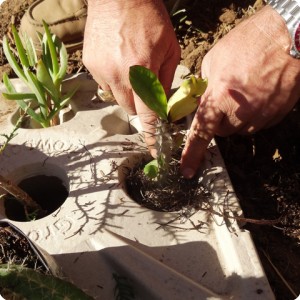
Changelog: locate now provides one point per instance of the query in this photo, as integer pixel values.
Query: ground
(264, 167)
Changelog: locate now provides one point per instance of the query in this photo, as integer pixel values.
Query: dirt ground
(264, 167)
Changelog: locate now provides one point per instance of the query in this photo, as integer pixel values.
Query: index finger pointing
(204, 126)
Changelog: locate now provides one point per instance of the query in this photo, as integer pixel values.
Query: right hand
(253, 83)
(120, 34)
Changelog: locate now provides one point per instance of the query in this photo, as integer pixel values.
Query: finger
(124, 97)
(167, 70)
(101, 82)
(148, 121)
(206, 122)
(147, 117)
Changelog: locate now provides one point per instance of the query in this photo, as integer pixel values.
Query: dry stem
(28, 203)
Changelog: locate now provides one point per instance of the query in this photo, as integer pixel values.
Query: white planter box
(99, 231)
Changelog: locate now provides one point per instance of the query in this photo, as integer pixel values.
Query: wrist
(289, 11)
(274, 26)
(107, 12)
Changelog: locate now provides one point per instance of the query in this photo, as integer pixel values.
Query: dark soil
(170, 193)
(264, 167)
(48, 192)
(16, 249)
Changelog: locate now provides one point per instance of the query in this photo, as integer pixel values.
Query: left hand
(119, 34)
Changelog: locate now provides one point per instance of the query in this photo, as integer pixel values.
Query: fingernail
(188, 173)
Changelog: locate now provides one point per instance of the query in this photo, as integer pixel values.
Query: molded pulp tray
(101, 237)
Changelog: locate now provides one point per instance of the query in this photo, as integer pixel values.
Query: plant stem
(54, 121)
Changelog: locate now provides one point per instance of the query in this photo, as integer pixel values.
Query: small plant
(43, 75)
(183, 102)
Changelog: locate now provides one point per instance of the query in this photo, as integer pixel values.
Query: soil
(16, 249)
(264, 167)
(48, 192)
(172, 192)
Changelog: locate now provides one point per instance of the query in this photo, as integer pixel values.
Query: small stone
(228, 17)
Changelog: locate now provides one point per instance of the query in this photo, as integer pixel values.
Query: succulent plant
(182, 103)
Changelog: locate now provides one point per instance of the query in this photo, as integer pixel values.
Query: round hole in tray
(171, 194)
(47, 185)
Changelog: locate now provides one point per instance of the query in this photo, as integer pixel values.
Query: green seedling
(42, 74)
(182, 103)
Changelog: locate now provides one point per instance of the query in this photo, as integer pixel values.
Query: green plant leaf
(52, 49)
(63, 58)
(64, 101)
(46, 56)
(185, 100)
(147, 86)
(24, 105)
(30, 50)
(12, 60)
(38, 118)
(8, 84)
(20, 48)
(151, 169)
(45, 79)
(19, 96)
(38, 90)
(66, 98)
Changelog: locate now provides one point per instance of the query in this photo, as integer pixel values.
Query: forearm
(134, 12)
(117, 5)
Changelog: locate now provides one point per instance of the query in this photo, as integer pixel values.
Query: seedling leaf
(147, 86)
(185, 100)
(151, 169)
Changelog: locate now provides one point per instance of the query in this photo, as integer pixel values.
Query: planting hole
(48, 191)
(47, 185)
(171, 194)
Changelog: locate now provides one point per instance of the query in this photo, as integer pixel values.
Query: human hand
(119, 34)
(252, 84)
